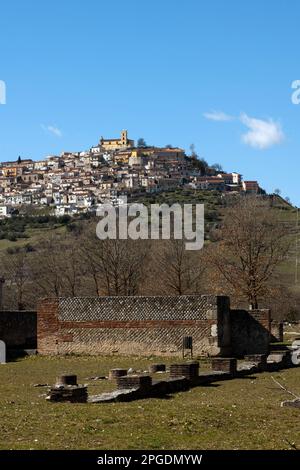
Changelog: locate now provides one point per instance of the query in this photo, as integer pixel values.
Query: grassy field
(35, 236)
(287, 269)
(237, 414)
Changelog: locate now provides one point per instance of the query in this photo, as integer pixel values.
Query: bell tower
(124, 138)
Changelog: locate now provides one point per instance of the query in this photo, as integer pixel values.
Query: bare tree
(49, 267)
(90, 257)
(121, 266)
(252, 243)
(114, 266)
(17, 274)
(72, 269)
(178, 270)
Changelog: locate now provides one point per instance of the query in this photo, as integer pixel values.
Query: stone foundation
(189, 370)
(134, 381)
(153, 368)
(115, 373)
(225, 364)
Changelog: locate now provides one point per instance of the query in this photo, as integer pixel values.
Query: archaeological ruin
(150, 325)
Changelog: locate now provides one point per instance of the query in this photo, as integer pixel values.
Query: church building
(117, 144)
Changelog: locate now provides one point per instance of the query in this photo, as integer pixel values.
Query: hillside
(29, 231)
(31, 228)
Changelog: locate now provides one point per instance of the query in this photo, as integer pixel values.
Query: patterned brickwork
(133, 325)
(158, 340)
(137, 308)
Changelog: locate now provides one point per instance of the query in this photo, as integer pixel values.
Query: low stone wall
(18, 329)
(276, 331)
(250, 332)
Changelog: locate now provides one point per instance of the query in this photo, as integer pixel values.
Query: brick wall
(133, 325)
(250, 331)
(150, 325)
(18, 329)
(48, 326)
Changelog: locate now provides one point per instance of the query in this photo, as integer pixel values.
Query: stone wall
(1, 292)
(18, 329)
(276, 332)
(250, 331)
(134, 325)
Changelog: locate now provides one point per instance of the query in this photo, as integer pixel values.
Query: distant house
(250, 187)
(66, 209)
(169, 154)
(237, 178)
(230, 178)
(5, 211)
(30, 177)
(96, 149)
(208, 182)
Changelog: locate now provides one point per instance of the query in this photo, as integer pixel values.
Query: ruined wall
(1, 292)
(250, 331)
(134, 325)
(18, 329)
(150, 325)
(276, 331)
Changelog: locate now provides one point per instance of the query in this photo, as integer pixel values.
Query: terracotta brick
(155, 325)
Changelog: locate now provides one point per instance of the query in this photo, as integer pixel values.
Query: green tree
(141, 142)
(217, 167)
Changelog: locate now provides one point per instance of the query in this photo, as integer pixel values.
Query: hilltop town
(76, 182)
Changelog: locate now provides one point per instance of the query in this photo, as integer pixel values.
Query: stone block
(189, 370)
(134, 381)
(63, 380)
(291, 403)
(153, 368)
(115, 373)
(225, 364)
(260, 360)
(68, 393)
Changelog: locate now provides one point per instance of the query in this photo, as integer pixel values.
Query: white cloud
(218, 116)
(261, 134)
(53, 130)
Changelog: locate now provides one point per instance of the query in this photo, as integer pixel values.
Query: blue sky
(213, 73)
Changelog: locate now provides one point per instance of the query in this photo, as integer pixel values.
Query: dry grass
(237, 414)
